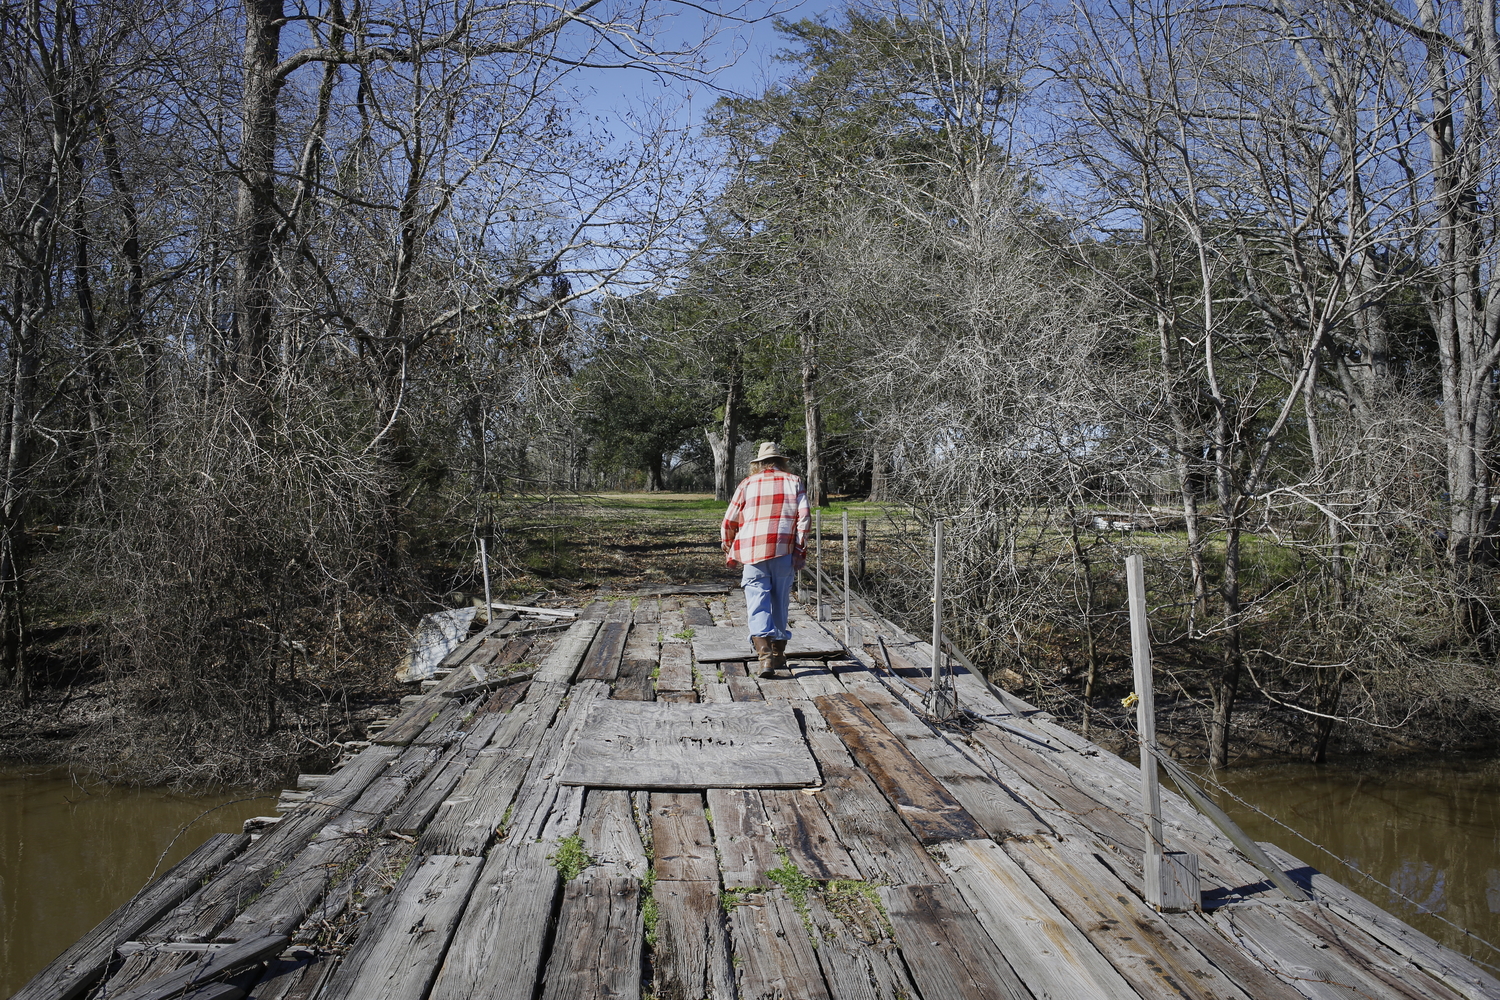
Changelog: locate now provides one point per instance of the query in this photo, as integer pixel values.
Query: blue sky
(740, 57)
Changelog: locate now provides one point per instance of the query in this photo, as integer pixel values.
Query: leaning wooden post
(846, 578)
(1171, 883)
(484, 563)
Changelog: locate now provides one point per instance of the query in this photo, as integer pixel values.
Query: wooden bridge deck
(999, 860)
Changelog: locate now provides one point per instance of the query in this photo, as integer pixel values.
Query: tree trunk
(722, 440)
(255, 215)
(878, 462)
(812, 413)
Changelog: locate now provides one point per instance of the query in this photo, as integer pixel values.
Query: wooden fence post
(484, 564)
(1171, 883)
(822, 614)
(939, 697)
(846, 577)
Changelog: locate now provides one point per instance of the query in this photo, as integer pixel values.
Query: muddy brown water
(71, 852)
(1428, 828)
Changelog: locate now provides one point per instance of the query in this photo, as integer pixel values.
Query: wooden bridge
(526, 829)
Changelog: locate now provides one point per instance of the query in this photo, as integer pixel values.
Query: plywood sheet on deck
(714, 643)
(657, 745)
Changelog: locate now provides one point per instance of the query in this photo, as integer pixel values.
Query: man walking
(765, 531)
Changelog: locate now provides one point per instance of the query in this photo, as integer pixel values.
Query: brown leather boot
(763, 653)
(778, 654)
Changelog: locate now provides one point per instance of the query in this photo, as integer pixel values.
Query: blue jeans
(768, 594)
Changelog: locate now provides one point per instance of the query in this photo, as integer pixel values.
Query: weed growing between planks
(797, 885)
(650, 911)
(570, 859)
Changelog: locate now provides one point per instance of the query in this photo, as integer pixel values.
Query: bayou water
(1429, 829)
(71, 852)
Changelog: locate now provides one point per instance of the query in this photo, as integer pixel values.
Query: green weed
(797, 885)
(570, 859)
(650, 911)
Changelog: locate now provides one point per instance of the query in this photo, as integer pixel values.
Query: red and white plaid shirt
(768, 517)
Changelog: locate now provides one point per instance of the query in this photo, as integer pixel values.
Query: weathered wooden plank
(1137, 941)
(411, 721)
(799, 827)
(597, 950)
(742, 834)
(682, 846)
(676, 668)
(634, 682)
(1452, 968)
(298, 886)
(610, 835)
(216, 991)
(396, 953)
(1065, 795)
(947, 951)
(562, 662)
(743, 688)
(1266, 930)
(1050, 955)
(647, 611)
(696, 616)
(477, 681)
(880, 844)
(602, 662)
(619, 610)
(714, 643)
(860, 960)
(496, 952)
(544, 808)
(677, 697)
(207, 966)
(925, 805)
(206, 911)
(412, 815)
(596, 610)
(781, 688)
(368, 877)
(1327, 929)
(643, 642)
(295, 974)
(86, 960)
(670, 590)
(505, 699)
(691, 959)
(467, 819)
(719, 610)
(773, 951)
(446, 726)
(652, 745)
(999, 812)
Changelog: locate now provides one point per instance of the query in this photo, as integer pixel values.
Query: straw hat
(769, 449)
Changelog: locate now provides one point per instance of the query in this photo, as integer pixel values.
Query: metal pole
(484, 563)
(937, 608)
(1145, 720)
(818, 559)
(846, 579)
